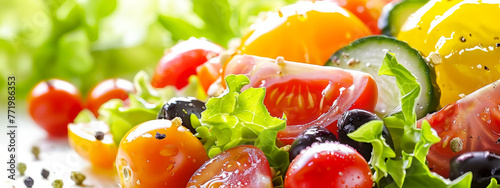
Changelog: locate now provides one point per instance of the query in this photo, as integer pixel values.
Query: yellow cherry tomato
(159, 153)
(308, 32)
(93, 142)
(461, 40)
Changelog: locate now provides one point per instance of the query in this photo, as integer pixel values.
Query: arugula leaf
(405, 166)
(372, 133)
(407, 83)
(238, 118)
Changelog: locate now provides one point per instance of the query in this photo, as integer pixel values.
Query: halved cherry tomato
(472, 123)
(108, 89)
(159, 153)
(307, 94)
(209, 72)
(181, 61)
(242, 166)
(93, 142)
(304, 32)
(329, 164)
(53, 104)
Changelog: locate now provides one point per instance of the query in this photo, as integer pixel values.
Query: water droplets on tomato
(169, 151)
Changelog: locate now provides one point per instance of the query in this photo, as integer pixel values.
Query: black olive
(308, 137)
(483, 165)
(353, 119)
(182, 107)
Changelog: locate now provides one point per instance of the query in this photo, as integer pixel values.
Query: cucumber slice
(366, 55)
(395, 15)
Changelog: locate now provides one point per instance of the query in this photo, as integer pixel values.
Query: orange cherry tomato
(307, 32)
(159, 153)
(209, 72)
(93, 142)
(108, 89)
(53, 104)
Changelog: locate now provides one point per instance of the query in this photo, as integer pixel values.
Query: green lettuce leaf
(493, 183)
(405, 165)
(238, 118)
(141, 106)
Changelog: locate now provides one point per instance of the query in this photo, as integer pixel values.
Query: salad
(312, 96)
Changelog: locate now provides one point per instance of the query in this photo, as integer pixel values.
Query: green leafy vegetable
(239, 118)
(405, 166)
(141, 106)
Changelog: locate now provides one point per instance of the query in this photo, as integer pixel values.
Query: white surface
(55, 156)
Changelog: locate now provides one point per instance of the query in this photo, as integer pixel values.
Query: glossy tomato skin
(181, 61)
(159, 153)
(329, 164)
(82, 138)
(106, 90)
(242, 166)
(53, 104)
(473, 122)
(309, 95)
(367, 11)
(460, 38)
(307, 32)
(209, 72)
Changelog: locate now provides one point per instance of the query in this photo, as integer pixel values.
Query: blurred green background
(87, 41)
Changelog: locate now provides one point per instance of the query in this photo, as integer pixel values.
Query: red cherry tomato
(106, 90)
(181, 61)
(474, 120)
(53, 104)
(367, 11)
(329, 164)
(159, 153)
(308, 95)
(242, 166)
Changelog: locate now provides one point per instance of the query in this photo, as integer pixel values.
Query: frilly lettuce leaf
(239, 118)
(405, 166)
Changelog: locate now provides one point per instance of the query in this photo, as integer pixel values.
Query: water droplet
(170, 167)
(169, 151)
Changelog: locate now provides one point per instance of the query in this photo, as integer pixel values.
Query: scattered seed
(21, 167)
(57, 183)
(35, 150)
(462, 39)
(77, 177)
(29, 182)
(45, 173)
(456, 144)
(99, 135)
(160, 136)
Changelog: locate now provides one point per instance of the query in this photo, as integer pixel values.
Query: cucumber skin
(434, 92)
(389, 27)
